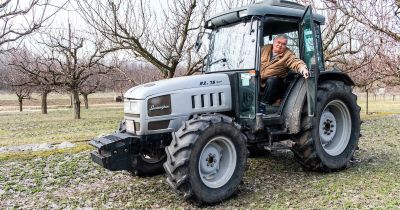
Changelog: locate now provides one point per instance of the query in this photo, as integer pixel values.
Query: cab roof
(281, 8)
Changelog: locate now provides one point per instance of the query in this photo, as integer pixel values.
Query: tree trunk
(393, 97)
(71, 99)
(44, 102)
(77, 104)
(366, 106)
(20, 104)
(85, 100)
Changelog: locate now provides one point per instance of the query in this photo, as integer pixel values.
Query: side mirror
(199, 42)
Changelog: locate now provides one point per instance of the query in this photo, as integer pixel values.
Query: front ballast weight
(123, 151)
(113, 151)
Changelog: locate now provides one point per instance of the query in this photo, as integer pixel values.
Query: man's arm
(297, 65)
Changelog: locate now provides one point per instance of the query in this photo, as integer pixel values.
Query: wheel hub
(217, 162)
(335, 127)
(327, 127)
(210, 163)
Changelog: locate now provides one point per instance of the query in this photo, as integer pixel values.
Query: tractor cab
(236, 39)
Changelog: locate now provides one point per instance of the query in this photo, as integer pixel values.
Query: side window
(293, 41)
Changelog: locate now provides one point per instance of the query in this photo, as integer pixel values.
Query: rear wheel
(328, 141)
(206, 159)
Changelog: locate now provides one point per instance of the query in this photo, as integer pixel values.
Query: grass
(71, 180)
(57, 126)
(379, 108)
(67, 178)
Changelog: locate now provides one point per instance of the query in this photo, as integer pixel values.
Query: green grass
(57, 126)
(67, 178)
(71, 180)
(379, 108)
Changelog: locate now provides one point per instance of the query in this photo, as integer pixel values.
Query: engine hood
(179, 83)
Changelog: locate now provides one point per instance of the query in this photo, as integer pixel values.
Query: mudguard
(297, 97)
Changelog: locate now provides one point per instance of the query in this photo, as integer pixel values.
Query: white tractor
(200, 129)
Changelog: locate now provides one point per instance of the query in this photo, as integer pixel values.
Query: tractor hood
(174, 84)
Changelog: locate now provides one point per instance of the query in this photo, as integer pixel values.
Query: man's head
(279, 44)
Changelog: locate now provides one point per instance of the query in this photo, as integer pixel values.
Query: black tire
(183, 165)
(331, 148)
(149, 162)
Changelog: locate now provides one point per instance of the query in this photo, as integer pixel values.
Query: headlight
(132, 107)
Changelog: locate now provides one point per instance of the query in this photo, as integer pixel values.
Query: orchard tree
(39, 70)
(163, 38)
(21, 18)
(78, 59)
(379, 15)
(18, 83)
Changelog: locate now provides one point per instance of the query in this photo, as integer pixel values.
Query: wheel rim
(217, 162)
(335, 127)
(153, 156)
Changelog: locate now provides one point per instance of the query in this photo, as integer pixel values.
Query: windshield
(233, 47)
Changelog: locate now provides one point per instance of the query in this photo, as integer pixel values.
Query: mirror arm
(251, 23)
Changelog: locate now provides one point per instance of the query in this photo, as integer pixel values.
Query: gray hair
(281, 36)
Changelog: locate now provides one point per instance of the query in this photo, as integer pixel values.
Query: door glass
(247, 99)
(309, 56)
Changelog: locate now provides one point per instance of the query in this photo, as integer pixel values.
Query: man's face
(279, 45)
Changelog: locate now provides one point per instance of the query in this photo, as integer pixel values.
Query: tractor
(201, 129)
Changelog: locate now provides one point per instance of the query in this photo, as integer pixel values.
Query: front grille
(208, 100)
(157, 125)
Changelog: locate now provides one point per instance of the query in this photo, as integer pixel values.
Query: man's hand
(305, 73)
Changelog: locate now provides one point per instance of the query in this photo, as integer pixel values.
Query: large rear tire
(206, 159)
(328, 141)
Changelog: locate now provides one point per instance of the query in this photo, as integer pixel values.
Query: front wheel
(206, 159)
(328, 141)
(149, 162)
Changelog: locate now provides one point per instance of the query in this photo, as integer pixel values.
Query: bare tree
(163, 38)
(17, 83)
(92, 85)
(78, 60)
(379, 15)
(38, 70)
(21, 18)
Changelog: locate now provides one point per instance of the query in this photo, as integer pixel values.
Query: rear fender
(297, 97)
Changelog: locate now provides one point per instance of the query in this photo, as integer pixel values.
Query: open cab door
(308, 53)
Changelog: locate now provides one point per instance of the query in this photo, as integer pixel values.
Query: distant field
(9, 102)
(379, 107)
